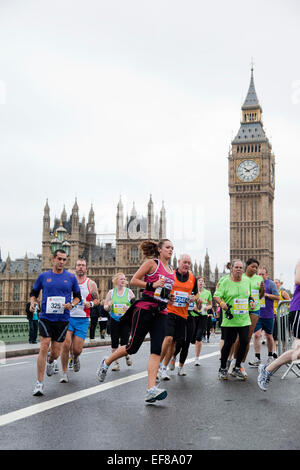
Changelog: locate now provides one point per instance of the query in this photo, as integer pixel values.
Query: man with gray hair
(185, 290)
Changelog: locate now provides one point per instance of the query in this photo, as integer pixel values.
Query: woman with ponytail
(149, 314)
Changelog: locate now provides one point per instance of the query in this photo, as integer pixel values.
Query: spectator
(33, 318)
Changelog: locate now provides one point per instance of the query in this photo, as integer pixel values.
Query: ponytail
(150, 248)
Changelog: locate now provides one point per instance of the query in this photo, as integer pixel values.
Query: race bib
(163, 293)
(240, 306)
(119, 309)
(262, 302)
(55, 305)
(255, 295)
(181, 299)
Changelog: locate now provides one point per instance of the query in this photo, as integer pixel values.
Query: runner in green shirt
(233, 295)
(201, 317)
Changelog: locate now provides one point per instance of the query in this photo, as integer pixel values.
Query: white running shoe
(164, 375)
(197, 361)
(154, 394)
(56, 368)
(255, 362)
(116, 367)
(76, 365)
(231, 367)
(181, 371)
(38, 389)
(64, 378)
(102, 370)
(128, 360)
(50, 368)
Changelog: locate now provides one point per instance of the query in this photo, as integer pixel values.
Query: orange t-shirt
(181, 291)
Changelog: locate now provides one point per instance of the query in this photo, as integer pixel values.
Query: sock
(270, 354)
(257, 355)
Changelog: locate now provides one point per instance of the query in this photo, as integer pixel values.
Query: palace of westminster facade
(251, 181)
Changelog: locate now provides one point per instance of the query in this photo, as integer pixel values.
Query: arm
(107, 301)
(94, 294)
(131, 295)
(274, 295)
(147, 267)
(285, 295)
(261, 290)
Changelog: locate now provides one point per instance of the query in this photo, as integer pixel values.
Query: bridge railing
(285, 335)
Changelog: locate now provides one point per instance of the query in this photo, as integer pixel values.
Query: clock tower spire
(251, 187)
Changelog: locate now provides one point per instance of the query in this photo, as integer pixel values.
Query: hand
(159, 283)
(252, 305)
(68, 306)
(192, 298)
(172, 298)
(32, 306)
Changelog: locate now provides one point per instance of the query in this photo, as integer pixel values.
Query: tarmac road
(200, 412)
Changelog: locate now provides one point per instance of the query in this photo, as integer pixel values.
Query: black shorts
(56, 330)
(296, 324)
(176, 327)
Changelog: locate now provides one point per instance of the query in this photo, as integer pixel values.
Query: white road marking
(48, 405)
(15, 364)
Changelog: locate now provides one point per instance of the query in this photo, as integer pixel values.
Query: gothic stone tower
(251, 187)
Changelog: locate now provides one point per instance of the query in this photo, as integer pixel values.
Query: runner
(265, 371)
(185, 284)
(79, 320)
(200, 315)
(283, 296)
(57, 286)
(257, 292)
(266, 318)
(148, 315)
(117, 301)
(234, 297)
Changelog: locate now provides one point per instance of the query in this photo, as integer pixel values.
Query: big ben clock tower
(251, 187)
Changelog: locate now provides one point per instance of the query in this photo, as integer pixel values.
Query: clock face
(248, 170)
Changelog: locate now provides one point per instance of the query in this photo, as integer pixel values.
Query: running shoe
(154, 394)
(102, 371)
(222, 374)
(70, 363)
(264, 377)
(164, 375)
(255, 362)
(128, 360)
(231, 367)
(56, 368)
(76, 365)
(116, 367)
(64, 378)
(172, 363)
(50, 367)
(181, 371)
(197, 362)
(38, 389)
(238, 373)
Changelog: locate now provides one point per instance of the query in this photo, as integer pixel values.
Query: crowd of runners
(175, 309)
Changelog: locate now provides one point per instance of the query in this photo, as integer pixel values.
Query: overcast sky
(131, 97)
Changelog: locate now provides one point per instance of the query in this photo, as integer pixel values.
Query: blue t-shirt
(57, 290)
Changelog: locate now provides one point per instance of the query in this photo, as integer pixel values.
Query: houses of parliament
(251, 183)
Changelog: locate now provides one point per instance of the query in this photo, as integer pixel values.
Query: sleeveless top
(120, 303)
(160, 294)
(295, 302)
(80, 311)
(182, 292)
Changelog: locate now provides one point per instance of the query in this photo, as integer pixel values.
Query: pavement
(25, 349)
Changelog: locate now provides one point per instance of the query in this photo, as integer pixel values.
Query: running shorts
(266, 324)
(79, 326)
(56, 330)
(296, 324)
(176, 327)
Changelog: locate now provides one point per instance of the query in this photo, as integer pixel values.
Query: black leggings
(144, 322)
(230, 334)
(183, 345)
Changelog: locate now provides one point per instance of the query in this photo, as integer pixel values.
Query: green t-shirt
(235, 294)
(255, 282)
(206, 297)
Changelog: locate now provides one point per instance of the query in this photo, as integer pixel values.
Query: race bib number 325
(55, 305)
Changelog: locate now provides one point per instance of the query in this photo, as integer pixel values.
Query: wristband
(73, 306)
(149, 285)
(91, 304)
